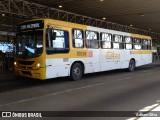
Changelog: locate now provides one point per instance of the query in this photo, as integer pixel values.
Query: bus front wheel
(76, 72)
(131, 67)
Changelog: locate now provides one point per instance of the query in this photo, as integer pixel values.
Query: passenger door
(118, 46)
(58, 53)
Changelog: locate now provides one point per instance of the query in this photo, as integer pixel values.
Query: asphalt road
(116, 90)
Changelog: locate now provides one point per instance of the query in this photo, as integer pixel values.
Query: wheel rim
(132, 66)
(77, 72)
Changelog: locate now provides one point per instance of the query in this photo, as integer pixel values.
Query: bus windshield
(29, 44)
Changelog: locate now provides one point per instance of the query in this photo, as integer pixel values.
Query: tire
(76, 72)
(131, 66)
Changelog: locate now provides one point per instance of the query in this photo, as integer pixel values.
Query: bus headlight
(38, 65)
(15, 64)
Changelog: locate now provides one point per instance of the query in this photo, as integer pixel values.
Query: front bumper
(35, 74)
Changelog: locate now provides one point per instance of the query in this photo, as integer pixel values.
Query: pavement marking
(74, 89)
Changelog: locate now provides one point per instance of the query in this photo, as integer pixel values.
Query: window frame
(137, 43)
(132, 43)
(144, 45)
(73, 39)
(92, 39)
(113, 39)
(150, 48)
(60, 51)
(106, 41)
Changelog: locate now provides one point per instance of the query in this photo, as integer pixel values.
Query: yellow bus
(47, 48)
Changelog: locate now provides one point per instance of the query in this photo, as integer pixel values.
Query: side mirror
(53, 35)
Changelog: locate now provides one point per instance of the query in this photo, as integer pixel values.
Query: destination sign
(31, 25)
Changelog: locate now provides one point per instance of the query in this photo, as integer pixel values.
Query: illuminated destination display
(32, 25)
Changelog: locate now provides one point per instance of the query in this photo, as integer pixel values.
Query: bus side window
(118, 42)
(106, 41)
(78, 38)
(121, 42)
(149, 44)
(61, 42)
(137, 44)
(92, 39)
(144, 44)
(128, 43)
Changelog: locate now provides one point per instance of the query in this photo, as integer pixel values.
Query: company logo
(90, 53)
(6, 114)
(112, 55)
(21, 114)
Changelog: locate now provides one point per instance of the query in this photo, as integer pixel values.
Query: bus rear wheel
(131, 67)
(76, 72)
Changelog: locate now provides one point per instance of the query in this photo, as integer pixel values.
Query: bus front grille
(25, 67)
(26, 62)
